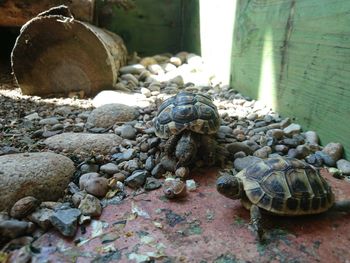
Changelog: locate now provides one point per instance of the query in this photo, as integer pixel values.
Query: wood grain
(310, 43)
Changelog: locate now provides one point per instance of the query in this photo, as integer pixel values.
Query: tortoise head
(230, 186)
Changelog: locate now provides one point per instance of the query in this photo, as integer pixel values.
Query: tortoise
(280, 186)
(188, 121)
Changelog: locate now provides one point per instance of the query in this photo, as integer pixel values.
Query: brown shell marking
(187, 111)
(287, 187)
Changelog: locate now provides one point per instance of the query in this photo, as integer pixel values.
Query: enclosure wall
(295, 56)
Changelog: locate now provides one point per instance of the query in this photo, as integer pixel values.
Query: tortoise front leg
(256, 221)
(170, 145)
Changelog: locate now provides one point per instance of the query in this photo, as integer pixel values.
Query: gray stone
(128, 132)
(311, 137)
(83, 142)
(263, 152)
(41, 217)
(65, 221)
(242, 163)
(109, 168)
(33, 116)
(239, 155)
(12, 228)
(77, 197)
(90, 206)
(314, 160)
(126, 155)
(281, 148)
(158, 171)
(89, 168)
(49, 121)
(107, 115)
(344, 166)
(149, 164)
(136, 179)
(132, 165)
(132, 69)
(334, 150)
(225, 129)
(152, 184)
(41, 175)
(292, 129)
(238, 147)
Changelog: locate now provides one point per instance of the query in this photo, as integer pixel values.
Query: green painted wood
(307, 44)
(152, 27)
(191, 28)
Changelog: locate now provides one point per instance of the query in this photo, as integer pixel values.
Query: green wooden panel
(152, 27)
(305, 46)
(191, 28)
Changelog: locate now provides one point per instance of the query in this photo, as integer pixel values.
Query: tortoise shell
(286, 186)
(187, 111)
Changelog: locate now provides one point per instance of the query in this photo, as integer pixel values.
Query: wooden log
(17, 12)
(56, 55)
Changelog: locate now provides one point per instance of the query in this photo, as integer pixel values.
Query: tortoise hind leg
(256, 221)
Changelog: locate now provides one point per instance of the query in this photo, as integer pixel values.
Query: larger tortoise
(281, 186)
(188, 120)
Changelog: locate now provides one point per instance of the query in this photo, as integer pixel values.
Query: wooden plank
(309, 53)
(151, 27)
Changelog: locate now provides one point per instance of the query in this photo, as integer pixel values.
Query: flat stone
(44, 176)
(119, 97)
(109, 168)
(136, 179)
(132, 69)
(49, 121)
(125, 156)
(90, 206)
(292, 129)
(152, 184)
(107, 115)
(65, 221)
(242, 163)
(344, 166)
(83, 142)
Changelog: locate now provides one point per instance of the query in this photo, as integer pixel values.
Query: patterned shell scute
(187, 111)
(287, 186)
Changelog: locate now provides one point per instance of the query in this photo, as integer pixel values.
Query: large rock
(41, 175)
(83, 142)
(109, 114)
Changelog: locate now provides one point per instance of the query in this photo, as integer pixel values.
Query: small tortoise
(281, 186)
(188, 121)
